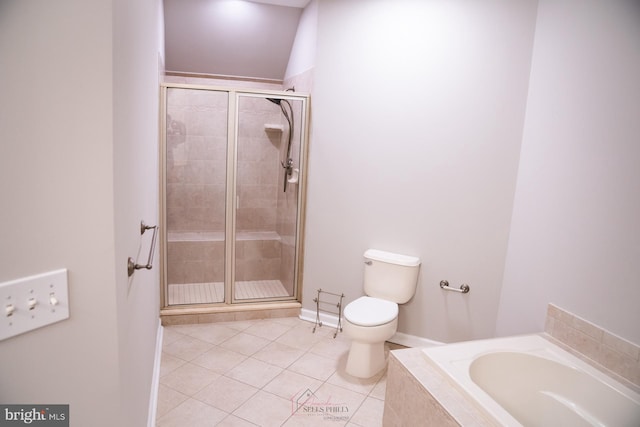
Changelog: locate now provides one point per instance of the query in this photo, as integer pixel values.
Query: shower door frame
(231, 193)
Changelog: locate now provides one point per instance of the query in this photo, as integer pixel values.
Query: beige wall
(575, 233)
(77, 173)
(418, 110)
(138, 45)
(416, 149)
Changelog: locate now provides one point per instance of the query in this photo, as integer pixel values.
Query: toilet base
(366, 356)
(365, 359)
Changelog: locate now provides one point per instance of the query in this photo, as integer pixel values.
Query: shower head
(275, 101)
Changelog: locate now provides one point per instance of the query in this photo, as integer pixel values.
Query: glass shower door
(196, 139)
(269, 141)
(231, 195)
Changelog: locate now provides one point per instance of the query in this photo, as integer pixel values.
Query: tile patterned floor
(269, 372)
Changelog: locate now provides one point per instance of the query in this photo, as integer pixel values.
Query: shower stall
(233, 184)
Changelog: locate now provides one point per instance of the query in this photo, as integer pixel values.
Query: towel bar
(464, 288)
(132, 266)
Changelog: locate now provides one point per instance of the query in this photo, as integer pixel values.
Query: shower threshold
(213, 292)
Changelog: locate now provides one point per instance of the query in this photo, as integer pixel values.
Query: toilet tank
(390, 276)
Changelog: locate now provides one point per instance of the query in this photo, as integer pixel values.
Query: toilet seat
(369, 311)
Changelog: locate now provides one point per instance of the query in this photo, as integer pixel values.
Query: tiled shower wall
(196, 160)
(258, 164)
(198, 261)
(196, 174)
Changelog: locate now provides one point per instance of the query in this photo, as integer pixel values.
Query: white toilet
(389, 279)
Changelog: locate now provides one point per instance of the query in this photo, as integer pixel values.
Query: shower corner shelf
(271, 127)
(318, 309)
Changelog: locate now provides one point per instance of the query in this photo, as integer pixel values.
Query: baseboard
(412, 340)
(400, 338)
(155, 380)
(330, 320)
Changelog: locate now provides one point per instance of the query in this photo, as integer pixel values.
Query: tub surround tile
(417, 393)
(620, 345)
(615, 356)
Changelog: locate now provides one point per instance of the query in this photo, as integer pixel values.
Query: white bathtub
(528, 381)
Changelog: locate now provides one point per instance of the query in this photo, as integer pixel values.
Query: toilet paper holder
(464, 288)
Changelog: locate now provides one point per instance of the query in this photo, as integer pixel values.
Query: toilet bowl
(369, 322)
(390, 279)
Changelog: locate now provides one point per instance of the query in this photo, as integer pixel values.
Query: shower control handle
(289, 170)
(288, 165)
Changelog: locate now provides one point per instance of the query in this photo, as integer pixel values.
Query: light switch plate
(33, 302)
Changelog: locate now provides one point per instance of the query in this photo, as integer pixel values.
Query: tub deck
(528, 380)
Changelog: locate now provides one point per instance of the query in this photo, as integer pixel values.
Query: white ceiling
(231, 37)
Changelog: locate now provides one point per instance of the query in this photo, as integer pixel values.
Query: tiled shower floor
(269, 372)
(211, 292)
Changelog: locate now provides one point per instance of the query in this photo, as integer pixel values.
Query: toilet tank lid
(391, 258)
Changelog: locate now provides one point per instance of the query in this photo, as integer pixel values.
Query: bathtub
(529, 381)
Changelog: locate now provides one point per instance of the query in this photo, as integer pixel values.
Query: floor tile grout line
(307, 350)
